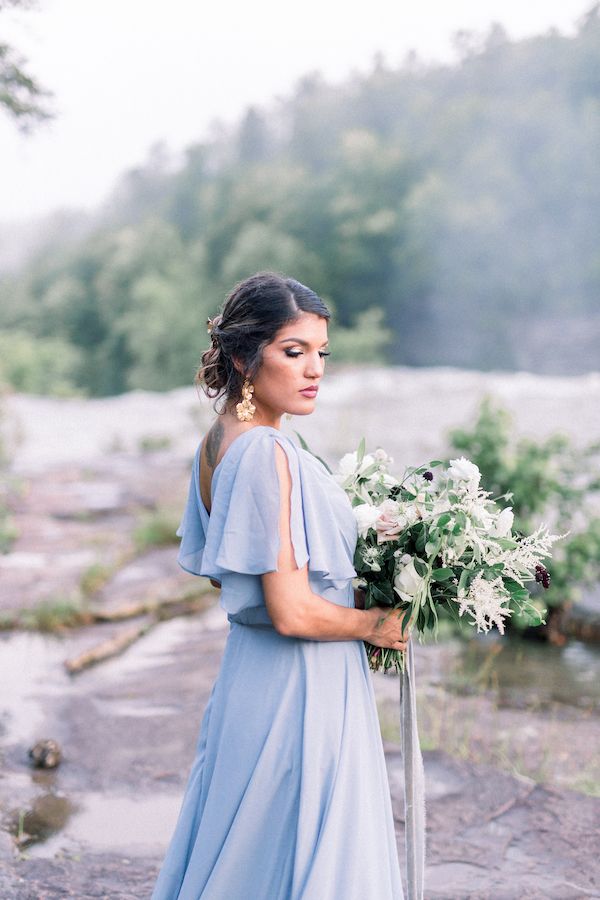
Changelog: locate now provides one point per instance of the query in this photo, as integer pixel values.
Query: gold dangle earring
(246, 409)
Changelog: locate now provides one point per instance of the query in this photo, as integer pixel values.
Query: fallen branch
(143, 607)
(155, 611)
(500, 810)
(108, 648)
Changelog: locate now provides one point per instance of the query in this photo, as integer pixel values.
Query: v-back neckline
(198, 465)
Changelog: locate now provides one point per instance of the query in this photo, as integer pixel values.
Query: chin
(305, 410)
(299, 412)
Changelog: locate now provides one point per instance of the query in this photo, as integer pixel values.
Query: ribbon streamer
(414, 781)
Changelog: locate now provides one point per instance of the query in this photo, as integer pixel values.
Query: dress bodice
(239, 540)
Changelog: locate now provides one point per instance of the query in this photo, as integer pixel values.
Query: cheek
(277, 375)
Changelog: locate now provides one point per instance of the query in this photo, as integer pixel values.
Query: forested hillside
(449, 214)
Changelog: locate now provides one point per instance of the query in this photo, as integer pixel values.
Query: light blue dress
(288, 797)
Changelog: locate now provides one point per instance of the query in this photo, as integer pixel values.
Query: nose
(315, 364)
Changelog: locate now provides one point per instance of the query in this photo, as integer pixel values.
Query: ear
(239, 365)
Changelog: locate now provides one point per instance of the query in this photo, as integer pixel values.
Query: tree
(21, 96)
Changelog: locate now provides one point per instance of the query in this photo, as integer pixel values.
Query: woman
(288, 795)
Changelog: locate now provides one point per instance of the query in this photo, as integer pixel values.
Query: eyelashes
(296, 353)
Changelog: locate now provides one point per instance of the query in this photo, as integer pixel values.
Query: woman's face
(292, 362)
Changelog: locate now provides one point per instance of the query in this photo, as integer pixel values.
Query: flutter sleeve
(243, 536)
(192, 529)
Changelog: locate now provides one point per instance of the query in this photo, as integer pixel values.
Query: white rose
(463, 469)
(408, 581)
(367, 460)
(347, 464)
(366, 516)
(503, 523)
(481, 515)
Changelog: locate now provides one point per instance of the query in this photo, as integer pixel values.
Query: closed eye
(295, 353)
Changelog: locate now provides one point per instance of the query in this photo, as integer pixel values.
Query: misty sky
(128, 73)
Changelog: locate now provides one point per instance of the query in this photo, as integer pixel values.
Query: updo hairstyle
(250, 317)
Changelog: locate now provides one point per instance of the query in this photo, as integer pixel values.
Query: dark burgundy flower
(428, 476)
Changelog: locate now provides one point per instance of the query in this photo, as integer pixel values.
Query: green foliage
(8, 527)
(38, 365)
(150, 443)
(439, 211)
(365, 341)
(546, 481)
(53, 615)
(155, 530)
(94, 578)
(21, 95)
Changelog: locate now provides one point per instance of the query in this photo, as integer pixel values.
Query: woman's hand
(385, 627)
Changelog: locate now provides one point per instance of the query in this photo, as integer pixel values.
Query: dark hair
(250, 317)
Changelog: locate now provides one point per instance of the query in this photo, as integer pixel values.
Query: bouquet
(436, 539)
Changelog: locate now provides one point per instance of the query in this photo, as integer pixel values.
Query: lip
(310, 391)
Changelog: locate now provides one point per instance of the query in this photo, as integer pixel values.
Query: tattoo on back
(214, 439)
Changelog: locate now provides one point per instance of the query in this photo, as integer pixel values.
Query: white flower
(348, 464)
(410, 513)
(477, 511)
(372, 556)
(485, 603)
(441, 505)
(519, 562)
(366, 516)
(382, 457)
(503, 523)
(389, 507)
(408, 581)
(462, 469)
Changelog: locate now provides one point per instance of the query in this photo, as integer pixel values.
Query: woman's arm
(296, 611)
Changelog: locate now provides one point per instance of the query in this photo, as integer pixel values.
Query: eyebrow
(300, 341)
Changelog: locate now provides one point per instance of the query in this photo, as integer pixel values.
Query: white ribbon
(414, 781)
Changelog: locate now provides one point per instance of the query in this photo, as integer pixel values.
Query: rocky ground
(509, 733)
(128, 729)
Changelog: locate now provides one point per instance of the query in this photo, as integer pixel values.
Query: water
(33, 802)
(527, 673)
(34, 807)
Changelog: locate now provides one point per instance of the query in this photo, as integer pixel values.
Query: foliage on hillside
(459, 205)
(549, 481)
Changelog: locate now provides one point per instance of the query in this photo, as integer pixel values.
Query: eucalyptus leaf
(377, 596)
(442, 574)
(361, 451)
(463, 581)
(305, 446)
(432, 548)
(420, 567)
